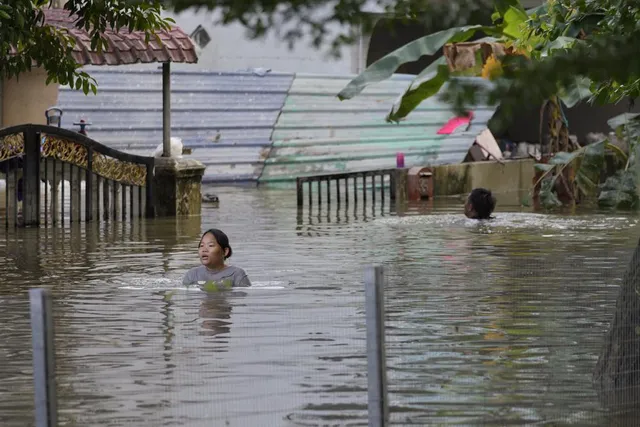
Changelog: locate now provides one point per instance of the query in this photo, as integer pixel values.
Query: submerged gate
(53, 175)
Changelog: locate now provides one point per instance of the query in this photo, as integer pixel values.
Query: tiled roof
(125, 47)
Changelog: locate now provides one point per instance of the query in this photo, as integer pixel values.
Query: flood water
(487, 324)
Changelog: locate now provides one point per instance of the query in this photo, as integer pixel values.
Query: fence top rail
(78, 138)
(344, 175)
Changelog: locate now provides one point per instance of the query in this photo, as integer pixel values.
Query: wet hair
(221, 238)
(482, 202)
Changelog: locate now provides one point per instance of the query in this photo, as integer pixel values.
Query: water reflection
(215, 312)
(488, 323)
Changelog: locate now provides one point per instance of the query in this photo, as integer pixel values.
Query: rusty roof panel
(124, 47)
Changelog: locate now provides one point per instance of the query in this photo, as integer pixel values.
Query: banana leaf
(384, 67)
(619, 191)
(425, 85)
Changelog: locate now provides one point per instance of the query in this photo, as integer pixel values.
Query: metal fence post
(376, 363)
(43, 358)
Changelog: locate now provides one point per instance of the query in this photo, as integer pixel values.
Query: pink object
(399, 160)
(453, 124)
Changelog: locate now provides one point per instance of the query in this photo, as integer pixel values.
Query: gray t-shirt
(228, 277)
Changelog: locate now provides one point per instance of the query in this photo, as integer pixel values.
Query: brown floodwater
(487, 324)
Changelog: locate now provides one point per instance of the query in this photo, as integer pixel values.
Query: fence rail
(385, 177)
(37, 161)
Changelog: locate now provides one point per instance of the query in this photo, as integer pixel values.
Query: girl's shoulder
(235, 270)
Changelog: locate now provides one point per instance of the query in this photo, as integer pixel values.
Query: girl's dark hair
(482, 202)
(221, 238)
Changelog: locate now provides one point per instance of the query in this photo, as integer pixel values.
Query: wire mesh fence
(509, 342)
(522, 338)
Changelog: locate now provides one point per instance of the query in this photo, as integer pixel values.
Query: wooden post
(43, 358)
(376, 361)
(166, 109)
(31, 178)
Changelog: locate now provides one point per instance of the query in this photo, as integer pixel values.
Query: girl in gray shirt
(214, 274)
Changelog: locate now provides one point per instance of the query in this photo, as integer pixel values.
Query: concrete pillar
(177, 187)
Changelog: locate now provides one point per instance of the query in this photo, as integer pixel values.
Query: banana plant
(618, 190)
(510, 27)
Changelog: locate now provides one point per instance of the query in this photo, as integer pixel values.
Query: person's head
(480, 204)
(214, 248)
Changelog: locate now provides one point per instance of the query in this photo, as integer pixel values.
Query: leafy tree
(27, 41)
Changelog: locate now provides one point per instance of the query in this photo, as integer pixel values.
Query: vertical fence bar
(76, 200)
(328, 191)
(88, 186)
(150, 211)
(43, 358)
(123, 188)
(364, 188)
(46, 191)
(62, 194)
(98, 200)
(319, 194)
(116, 200)
(355, 189)
(373, 188)
(338, 190)
(106, 204)
(6, 199)
(346, 190)
(131, 214)
(16, 191)
(376, 362)
(299, 184)
(392, 186)
(140, 214)
(31, 178)
(55, 206)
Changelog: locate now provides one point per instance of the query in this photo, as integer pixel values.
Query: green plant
(511, 28)
(618, 190)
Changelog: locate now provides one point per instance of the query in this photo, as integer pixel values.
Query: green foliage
(607, 56)
(384, 68)
(213, 286)
(618, 191)
(333, 23)
(511, 26)
(26, 41)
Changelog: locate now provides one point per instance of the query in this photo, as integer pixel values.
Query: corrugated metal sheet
(225, 118)
(317, 134)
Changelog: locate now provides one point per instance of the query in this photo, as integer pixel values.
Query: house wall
(25, 99)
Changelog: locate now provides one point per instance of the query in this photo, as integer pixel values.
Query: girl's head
(480, 204)
(214, 248)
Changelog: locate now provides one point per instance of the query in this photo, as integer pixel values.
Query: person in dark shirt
(480, 204)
